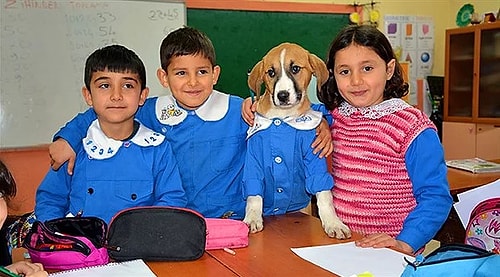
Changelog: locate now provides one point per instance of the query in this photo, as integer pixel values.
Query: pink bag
(483, 229)
(68, 243)
(226, 233)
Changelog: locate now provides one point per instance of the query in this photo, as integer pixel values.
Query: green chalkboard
(241, 38)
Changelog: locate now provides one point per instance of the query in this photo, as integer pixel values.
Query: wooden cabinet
(471, 125)
(463, 140)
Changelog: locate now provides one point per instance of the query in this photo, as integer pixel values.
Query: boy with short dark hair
(122, 163)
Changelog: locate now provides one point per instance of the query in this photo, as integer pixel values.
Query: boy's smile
(191, 79)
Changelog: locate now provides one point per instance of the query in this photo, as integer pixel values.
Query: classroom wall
(443, 12)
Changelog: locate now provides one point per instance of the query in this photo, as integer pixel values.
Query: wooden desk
(461, 180)
(269, 254)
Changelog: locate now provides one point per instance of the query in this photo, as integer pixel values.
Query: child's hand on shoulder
(60, 152)
(381, 240)
(247, 110)
(323, 141)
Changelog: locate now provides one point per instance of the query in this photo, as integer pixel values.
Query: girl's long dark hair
(367, 36)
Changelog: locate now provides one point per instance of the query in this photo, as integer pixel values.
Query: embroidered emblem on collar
(308, 121)
(214, 109)
(374, 112)
(98, 146)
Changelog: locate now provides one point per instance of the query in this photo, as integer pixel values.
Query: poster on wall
(412, 38)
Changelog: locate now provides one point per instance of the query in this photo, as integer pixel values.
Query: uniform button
(279, 190)
(133, 196)
(278, 160)
(276, 209)
(277, 122)
(90, 190)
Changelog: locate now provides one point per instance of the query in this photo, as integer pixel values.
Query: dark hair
(367, 36)
(114, 58)
(7, 183)
(186, 41)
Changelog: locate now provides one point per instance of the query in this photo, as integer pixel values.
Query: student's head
(363, 69)
(7, 190)
(188, 66)
(115, 84)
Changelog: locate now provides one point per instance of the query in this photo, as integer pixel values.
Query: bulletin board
(44, 45)
(242, 36)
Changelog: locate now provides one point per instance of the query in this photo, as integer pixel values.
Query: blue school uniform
(111, 175)
(208, 143)
(280, 165)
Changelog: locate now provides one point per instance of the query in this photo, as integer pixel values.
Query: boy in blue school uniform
(203, 125)
(122, 163)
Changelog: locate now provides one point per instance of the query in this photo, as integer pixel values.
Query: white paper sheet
(346, 259)
(469, 199)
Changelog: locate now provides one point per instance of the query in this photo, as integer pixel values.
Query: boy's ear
(143, 96)
(162, 77)
(216, 74)
(87, 96)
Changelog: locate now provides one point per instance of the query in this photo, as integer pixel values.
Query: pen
(4, 272)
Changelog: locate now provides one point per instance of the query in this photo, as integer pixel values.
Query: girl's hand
(381, 240)
(323, 141)
(28, 269)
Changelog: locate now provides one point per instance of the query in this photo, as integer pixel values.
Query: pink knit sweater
(372, 192)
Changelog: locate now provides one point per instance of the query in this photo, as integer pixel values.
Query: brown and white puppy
(286, 71)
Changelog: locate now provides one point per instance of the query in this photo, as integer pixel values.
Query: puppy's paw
(253, 214)
(335, 228)
(255, 223)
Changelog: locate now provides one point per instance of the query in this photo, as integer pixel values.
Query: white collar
(374, 112)
(214, 109)
(100, 147)
(307, 121)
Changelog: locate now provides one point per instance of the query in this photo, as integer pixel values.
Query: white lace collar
(214, 109)
(374, 112)
(99, 146)
(307, 121)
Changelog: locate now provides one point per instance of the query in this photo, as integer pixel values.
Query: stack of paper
(469, 199)
(346, 259)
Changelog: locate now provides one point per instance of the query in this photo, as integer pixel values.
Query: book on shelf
(475, 165)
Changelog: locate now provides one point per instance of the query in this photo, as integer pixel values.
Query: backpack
(483, 228)
(454, 260)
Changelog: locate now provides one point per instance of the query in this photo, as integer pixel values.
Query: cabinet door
(459, 74)
(488, 141)
(489, 71)
(459, 140)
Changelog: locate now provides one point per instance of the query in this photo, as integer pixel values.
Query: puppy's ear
(255, 78)
(319, 69)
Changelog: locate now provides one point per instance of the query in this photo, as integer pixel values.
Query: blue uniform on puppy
(281, 171)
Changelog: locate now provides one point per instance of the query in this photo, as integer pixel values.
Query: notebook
(132, 268)
(475, 165)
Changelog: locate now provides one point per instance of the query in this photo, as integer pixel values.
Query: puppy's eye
(271, 73)
(296, 69)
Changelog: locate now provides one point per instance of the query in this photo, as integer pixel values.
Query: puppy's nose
(283, 96)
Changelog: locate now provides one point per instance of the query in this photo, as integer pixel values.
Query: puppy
(281, 172)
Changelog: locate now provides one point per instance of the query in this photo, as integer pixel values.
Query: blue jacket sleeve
(428, 172)
(326, 113)
(168, 185)
(52, 196)
(76, 129)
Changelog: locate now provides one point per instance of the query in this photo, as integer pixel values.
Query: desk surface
(269, 254)
(461, 180)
